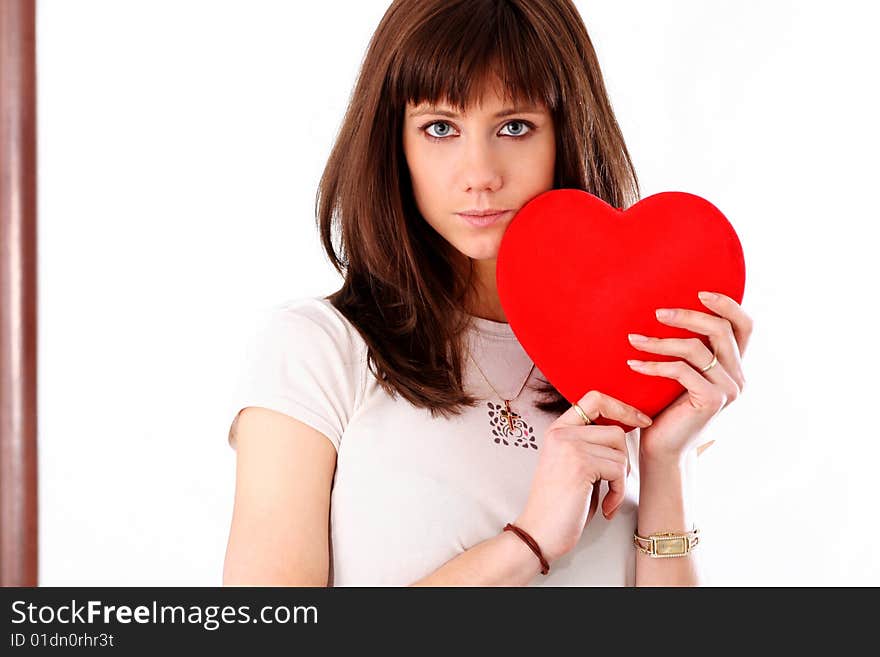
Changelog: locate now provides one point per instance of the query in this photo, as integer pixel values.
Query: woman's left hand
(676, 429)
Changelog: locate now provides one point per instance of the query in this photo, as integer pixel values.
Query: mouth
(482, 220)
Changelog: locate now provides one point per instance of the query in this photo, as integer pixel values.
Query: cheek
(548, 161)
(421, 166)
(426, 175)
(429, 178)
(424, 169)
(536, 170)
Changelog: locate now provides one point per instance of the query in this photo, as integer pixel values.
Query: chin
(481, 250)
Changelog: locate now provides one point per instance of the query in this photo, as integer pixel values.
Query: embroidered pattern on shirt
(510, 427)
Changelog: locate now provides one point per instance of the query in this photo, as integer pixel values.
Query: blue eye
(443, 137)
(436, 123)
(520, 123)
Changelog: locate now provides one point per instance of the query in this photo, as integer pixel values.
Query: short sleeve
(306, 361)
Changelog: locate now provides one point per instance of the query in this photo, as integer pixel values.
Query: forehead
(488, 96)
(491, 102)
(495, 109)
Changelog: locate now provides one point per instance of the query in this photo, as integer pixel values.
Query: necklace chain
(507, 412)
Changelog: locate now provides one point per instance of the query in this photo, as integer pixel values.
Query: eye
(521, 124)
(443, 132)
(442, 136)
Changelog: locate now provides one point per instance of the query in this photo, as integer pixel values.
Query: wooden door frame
(18, 294)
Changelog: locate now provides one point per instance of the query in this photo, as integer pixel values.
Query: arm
(710, 385)
(503, 560)
(666, 504)
(280, 519)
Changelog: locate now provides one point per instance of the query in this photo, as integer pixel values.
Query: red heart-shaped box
(575, 275)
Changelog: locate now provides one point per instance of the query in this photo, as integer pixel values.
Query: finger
(611, 470)
(596, 434)
(723, 380)
(719, 331)
(612, 437)
(694, 352)
(740, 322)
(603, 453)
(702, 391)
(616, 495)
(595, 403)
(594, 504)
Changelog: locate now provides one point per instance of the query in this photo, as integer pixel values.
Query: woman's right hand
(573, 459)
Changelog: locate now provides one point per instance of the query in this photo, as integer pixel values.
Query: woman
(395, 432)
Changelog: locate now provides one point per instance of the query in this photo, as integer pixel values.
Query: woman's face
(479, 161)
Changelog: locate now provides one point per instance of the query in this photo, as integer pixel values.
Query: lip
(483, 219)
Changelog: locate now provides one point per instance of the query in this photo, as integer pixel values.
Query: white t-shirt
(410, 491)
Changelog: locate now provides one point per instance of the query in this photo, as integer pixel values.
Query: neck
(483, 301)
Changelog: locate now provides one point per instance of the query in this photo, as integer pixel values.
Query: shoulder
(318, 309)
(312, 322)
(307, 361)
(304, 340)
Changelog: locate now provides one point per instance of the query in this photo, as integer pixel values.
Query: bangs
(472, 47)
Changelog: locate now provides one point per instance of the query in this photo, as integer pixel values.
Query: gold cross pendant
(508, 413)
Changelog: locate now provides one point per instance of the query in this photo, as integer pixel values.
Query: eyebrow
(525, 109)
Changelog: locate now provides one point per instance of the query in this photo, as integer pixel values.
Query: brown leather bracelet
(545, 567)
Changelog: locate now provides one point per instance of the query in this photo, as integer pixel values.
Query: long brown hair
(402, 289)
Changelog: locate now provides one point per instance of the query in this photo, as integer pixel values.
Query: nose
(481, 169)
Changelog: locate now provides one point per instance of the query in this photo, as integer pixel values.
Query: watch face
(674, 545)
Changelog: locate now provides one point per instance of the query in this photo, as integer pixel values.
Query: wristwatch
(667, 544)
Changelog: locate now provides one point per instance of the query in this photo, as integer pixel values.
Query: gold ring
(581, 412)
(712, 364)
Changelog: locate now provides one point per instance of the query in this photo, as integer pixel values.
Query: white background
(180, 145)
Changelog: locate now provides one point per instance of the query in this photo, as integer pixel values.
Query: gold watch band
(667, 544)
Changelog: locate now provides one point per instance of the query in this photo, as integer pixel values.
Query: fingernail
(635, 337)
(707, 296)
(664, 313)
(635, 363)
(645, 418)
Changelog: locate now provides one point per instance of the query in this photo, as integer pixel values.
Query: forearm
(503, 560)
(666, 497)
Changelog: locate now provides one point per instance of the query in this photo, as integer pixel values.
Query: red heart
(576, 275)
